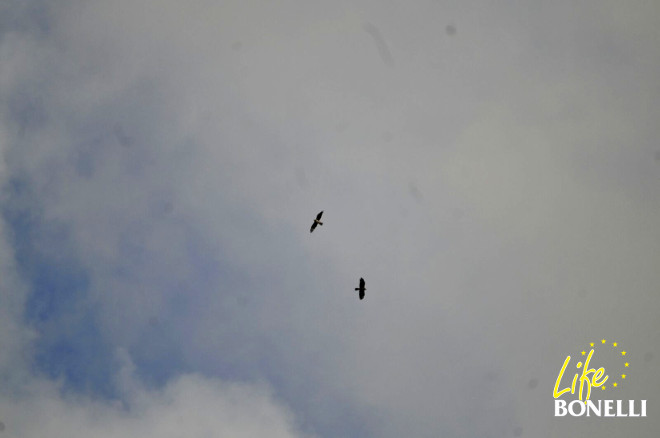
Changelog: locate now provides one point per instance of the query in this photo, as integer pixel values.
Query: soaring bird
(361, 288)
(317, 221)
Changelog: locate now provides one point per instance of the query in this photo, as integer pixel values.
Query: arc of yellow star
(623, 376)
(614, 384)
(583, 353)
(591, 344)
(614, 344)
(626, 365)
(623, 353)
(603, 387)
(603, 341)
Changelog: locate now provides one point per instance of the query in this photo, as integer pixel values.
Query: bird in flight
(361, 288)
(317, 221)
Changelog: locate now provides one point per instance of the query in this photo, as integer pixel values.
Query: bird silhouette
(317, 221)
(361, 288)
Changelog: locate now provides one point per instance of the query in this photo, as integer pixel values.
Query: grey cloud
(524, 137)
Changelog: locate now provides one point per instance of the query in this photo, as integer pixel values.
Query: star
(623, 376)
(614, 384)
(603, 387)
(623, 353)
(603, 341)
(626, 365)
(591, 344)
(613, 344)
(583, 353)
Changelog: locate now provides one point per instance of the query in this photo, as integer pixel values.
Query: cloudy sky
(492, 171)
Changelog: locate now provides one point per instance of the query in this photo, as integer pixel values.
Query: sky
(492, 170)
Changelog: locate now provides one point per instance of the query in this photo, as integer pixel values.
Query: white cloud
(190, 405)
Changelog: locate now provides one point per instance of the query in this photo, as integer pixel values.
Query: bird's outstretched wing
(361, 283)
(316, 221)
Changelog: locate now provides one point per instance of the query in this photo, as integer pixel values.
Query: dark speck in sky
(383, 50)
(533, 383)
(450, 29)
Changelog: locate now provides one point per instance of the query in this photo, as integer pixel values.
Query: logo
(604, 381)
